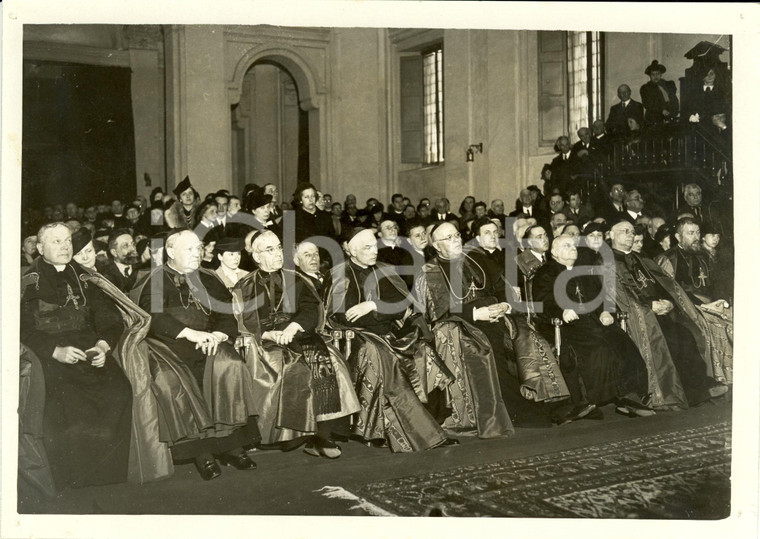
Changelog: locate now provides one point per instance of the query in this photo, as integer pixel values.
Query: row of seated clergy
(666, 326)
(687, 351)
(463, 310)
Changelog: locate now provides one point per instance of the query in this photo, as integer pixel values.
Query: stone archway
(310, 89)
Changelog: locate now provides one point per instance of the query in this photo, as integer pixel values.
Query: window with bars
(432, 66)
(422, 106)
(584, 77)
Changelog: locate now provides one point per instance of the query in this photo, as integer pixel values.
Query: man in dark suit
(564, 166)
(634, 204)
(441, 212)
(601, 140)
(576, 210)
(658, 96)
(612, 208)
(527, 208)
(120, 268)
(617, 121)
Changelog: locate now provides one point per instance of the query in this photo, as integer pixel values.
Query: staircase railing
(676, 148)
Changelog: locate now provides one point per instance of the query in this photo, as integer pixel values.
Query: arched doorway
(270, 130)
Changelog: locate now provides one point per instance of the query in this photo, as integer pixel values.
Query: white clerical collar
(568, 267)
(358, 263)
(59, 267)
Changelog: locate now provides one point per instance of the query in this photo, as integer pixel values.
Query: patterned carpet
(684, 474)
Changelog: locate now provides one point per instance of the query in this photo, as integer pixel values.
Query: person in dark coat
(617, 120)
(658, 96)
(72, 327)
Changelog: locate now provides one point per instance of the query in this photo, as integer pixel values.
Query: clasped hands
(661, 307)
(283, 337)
(208, 342)
(491, 313)
(71, 354)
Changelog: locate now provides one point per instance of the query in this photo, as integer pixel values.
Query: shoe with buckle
(240, 461)
(208, 469)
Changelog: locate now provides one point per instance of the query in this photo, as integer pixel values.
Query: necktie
(698, 212)
(708, 89)
(127, 271)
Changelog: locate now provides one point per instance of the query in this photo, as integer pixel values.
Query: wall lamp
(470, 153)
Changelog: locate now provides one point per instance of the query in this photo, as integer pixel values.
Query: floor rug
(684, 474)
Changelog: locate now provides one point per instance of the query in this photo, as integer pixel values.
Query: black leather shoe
(241, 461)
(580, 411)
(208, 468)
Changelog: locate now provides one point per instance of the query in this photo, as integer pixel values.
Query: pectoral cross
(71, 297)
(578, 293)
(642, 279)
(702, 277)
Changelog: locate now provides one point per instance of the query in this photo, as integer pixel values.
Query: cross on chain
(71, 297)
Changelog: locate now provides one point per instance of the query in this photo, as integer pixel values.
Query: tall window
(584, 70)
(422, 106)
(432, 65)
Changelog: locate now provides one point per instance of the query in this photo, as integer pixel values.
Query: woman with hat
(260, 205)
(658, 96)
(84, 251)
(228, 250)
(181, 213)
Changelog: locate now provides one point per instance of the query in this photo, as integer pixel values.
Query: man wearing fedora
(659, 96)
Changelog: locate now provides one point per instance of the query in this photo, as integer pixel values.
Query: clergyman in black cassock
(88, 402)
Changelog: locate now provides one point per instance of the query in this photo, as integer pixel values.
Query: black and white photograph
(294, 269)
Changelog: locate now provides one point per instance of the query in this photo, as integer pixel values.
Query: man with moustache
(123, 257)
(201, 384)
(301, 386)
(370, 299)
(665, 325)
(72, 327)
